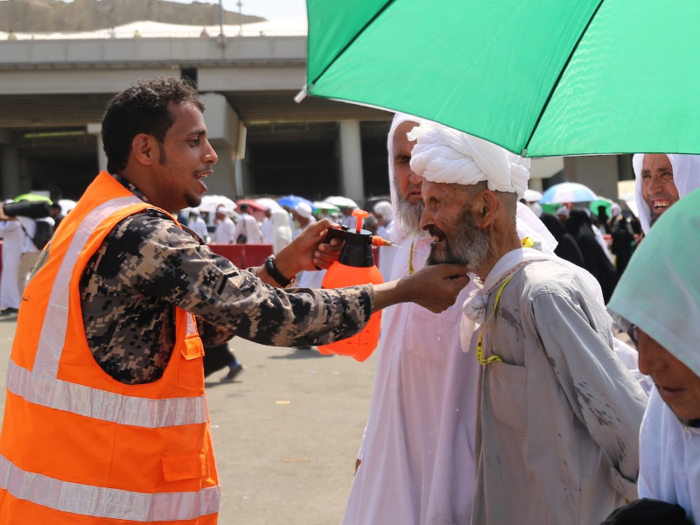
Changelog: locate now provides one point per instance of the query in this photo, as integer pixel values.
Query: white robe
(12, 247)
(418, 450)
(669, 462)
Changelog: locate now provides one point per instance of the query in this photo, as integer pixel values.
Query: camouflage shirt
(147, 266)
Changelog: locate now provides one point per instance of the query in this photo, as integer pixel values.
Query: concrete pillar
(240, 186)
(96, 129)
(227, 136)
(352, 182)
(598, 172)
(10, 171)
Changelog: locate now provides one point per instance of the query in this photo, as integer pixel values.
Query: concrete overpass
(53, 90)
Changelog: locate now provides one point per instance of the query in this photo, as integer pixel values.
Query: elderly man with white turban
(559, 413)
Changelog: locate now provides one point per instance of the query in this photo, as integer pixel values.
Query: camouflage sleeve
(164, 261)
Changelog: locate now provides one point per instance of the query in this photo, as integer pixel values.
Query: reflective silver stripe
(101, 502)
(191, 325)
(106, 406)
(53, 332)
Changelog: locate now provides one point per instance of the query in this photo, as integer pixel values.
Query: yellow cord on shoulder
(480, 344)
(411, 271)
(527, 242)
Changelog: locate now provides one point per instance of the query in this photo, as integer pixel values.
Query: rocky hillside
(87, 15)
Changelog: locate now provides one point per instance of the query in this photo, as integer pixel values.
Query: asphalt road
(286, 432)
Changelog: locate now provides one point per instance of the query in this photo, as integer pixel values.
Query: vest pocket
(191, 369)
(180, 466)
(507, 395)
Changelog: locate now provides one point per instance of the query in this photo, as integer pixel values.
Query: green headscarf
(660, 290)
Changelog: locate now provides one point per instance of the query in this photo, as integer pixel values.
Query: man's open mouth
(660, 205)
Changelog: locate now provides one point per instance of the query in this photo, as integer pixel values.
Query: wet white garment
(281, 231)
(417, 453)
(12, 246)
(560, 414)
(669, 462)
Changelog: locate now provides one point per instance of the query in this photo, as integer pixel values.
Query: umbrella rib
(561, 74)
(352, 40)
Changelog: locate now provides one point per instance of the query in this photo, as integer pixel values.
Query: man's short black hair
(143, 108)
(55, 206)
(243, 207)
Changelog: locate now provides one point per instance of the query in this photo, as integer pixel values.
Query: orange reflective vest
(78, 447)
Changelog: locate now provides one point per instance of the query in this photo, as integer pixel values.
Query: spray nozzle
(360, 215)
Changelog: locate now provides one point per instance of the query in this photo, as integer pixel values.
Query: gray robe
(560, 416)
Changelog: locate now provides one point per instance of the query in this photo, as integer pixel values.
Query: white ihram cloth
(199, 227)
(224, 233)
(268, 231)
(669, 448)
(686, 177)
(12, 246)
(248, 226)
(418, 449)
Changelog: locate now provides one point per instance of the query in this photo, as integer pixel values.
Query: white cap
(563, 211)
(304, 210)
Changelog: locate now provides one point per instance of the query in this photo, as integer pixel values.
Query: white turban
(385, 210)
(449, 156)
(303, 210)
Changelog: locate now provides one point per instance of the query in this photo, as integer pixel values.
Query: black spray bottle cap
(357, 251)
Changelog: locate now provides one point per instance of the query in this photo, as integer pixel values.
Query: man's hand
(434, 287)
(308, 252)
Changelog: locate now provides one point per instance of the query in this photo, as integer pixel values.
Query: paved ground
(286, 433)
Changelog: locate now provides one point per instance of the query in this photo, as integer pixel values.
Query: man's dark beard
(470, 245)
(192, 200)
(409, 214)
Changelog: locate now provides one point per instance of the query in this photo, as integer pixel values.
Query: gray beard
(409, 214)
(470, 245)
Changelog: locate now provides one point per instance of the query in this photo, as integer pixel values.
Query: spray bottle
(355, 266)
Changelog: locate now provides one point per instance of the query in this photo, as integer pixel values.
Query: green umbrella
(325, 206)
(32, 197)
(538, 77)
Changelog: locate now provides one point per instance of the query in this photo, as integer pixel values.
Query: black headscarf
(567, 248)
(595, 259)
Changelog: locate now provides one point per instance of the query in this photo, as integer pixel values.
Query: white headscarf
(399, 233)
(281, 230)
(384, 209)
(304, 210)
(686, 177)
(449, 156)
(669, 450)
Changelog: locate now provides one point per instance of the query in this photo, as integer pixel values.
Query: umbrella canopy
(292, 201)
(568, 192)
(601, 201)
(32, 197)
(325, 206)
(532, 196)
(269, 203)
(341, 202)
(211, 202)
(254, 204)
(538, 77)
(66, 205)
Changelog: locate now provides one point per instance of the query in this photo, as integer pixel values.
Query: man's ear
(144, 149)
(486, 205)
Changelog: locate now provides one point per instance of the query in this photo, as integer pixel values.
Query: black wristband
(273, 272)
